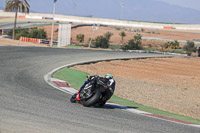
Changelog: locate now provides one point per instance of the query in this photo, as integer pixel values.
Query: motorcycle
(93, 93)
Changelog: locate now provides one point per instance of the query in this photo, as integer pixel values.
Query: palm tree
(122, 34)
(15, 6)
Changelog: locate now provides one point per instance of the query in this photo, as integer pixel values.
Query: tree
(190, 47)
(138, 39)
(122, 34)
(108, 35)
(80, 37)
(15, 6)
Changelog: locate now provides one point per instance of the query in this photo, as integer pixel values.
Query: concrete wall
(87, 20)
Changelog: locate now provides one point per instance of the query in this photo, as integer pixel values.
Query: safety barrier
(27, 39)
(168, 27)
(21, 16)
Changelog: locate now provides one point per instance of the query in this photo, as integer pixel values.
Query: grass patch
(165, 50)
(76, 78)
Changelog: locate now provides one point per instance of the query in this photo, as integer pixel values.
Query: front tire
(93, 100)
(73, 98)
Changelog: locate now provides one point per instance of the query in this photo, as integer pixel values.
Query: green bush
(172, 45)
(190, 47)
(101, 42)
(134, 44)
(19, 32)
(80, 37)
(166, 45)
(38, 33)
(34, 33)
(108, 35)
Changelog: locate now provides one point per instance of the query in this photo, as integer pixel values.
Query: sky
(194, 4)
(122, 9)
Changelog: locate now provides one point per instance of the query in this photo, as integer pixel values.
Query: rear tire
(93, 100)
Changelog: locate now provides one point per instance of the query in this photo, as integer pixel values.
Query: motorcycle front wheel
(73, 98)
(93, 100)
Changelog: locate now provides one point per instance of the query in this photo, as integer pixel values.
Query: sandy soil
(170, 84)
(5, 41)
(116, 38)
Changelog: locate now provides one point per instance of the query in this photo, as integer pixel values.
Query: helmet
(108, 76)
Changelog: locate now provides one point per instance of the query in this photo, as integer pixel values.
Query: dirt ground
(116, 38)
(170, 84)
(5, 41)
(130, 32)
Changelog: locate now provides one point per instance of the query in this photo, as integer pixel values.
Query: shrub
(80, 37)
(38, 33)
(190, 47)
(108, 35)
(19, 32)
(102, 42)
(34, 33)
(174, 45)
(134, 44)
(166, 45)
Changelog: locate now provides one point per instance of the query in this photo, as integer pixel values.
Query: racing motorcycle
(93, 92)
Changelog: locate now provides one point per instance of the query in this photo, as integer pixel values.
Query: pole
(91, 38)
(52, 30)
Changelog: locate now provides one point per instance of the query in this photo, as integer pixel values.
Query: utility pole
(94, 27)
(52, 31)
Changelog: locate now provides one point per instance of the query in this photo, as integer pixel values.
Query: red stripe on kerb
(167, 118)
(61, 84)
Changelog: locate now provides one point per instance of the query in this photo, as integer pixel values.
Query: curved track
(29, 104)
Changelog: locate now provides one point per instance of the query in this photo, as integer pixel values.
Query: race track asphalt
(29, 105)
